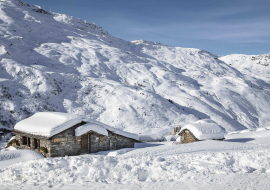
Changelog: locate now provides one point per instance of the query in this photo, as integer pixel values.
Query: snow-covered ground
(11, 155)
(55, 62)
(236, 163)
(254, 65)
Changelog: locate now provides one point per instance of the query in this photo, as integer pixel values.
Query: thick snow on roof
(47, 124)
(205, 129)
(90, 127)
(114, 130)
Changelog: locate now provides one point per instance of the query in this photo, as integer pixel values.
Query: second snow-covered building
(56, 134)
(205, 129)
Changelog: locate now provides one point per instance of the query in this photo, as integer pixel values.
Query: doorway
(85, 143)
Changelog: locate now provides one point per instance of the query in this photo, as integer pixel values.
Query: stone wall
(187, 137)
(43, 143)
(97, 143)
(66, 143)
(112, 142)
(122, 142)
(69, 147)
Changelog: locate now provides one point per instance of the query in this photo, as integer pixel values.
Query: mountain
(55, 62)
(253, 65)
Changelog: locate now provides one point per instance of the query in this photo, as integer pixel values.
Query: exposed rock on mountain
(55, 62)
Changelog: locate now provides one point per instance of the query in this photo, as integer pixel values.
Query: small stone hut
(55, 134)
(205, 129)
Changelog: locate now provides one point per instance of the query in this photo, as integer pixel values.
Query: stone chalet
(55, 134)
(205, 129)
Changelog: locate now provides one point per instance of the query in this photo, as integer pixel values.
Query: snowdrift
(11, 156)
(254, 133)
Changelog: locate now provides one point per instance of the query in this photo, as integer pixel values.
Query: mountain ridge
(55, 62)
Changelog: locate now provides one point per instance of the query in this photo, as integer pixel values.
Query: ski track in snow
(55, 62)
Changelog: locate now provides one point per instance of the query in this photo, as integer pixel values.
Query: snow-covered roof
(90, 127)
(114, 130)
(47, 124)
(205, 129)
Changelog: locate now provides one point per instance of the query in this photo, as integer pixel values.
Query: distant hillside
(55, 62)
(254, 65)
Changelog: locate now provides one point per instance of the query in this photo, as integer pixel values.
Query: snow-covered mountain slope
(55, 62)
(254, 65)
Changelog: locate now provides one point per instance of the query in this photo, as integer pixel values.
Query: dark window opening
(36, 143)
(24, 140)
(28, 141)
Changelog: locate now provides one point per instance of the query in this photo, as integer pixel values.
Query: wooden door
(113, 144)
(89, 143)
(84, 142)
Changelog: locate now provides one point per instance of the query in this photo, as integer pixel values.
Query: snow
(47, 124)
(170, 137)
(205, 130)
(230, 164)
(12, 156)
(260, 132)
(55, 62)
(112, 129)
(12, 138)
(254, 65)
(90, 127)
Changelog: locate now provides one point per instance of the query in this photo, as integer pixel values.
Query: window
(36, 143)
(28, 141)
(24, 140)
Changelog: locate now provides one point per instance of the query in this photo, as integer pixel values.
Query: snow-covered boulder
(205, 129)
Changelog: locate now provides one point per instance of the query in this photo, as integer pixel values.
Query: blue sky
(221, 27)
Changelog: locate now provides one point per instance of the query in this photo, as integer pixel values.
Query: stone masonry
(66, 143)
(187, 137)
